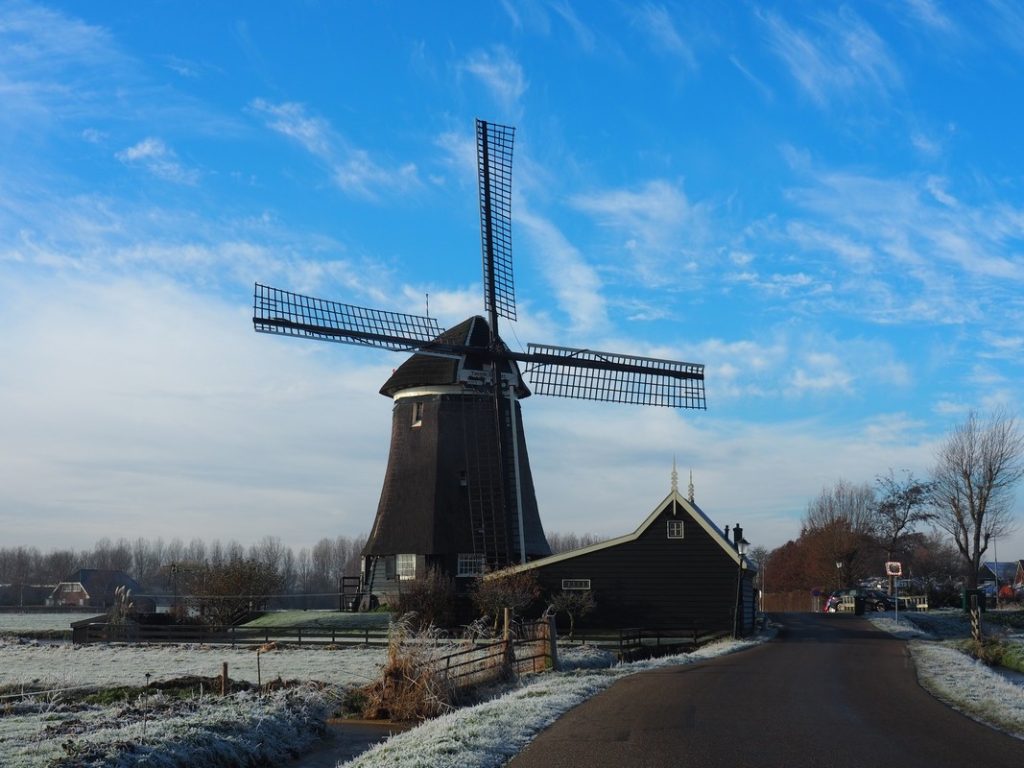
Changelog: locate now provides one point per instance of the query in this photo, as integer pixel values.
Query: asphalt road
(830, 691)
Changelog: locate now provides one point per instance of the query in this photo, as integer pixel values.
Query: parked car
(874, 600)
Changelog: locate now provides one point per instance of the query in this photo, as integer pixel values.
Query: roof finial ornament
(689, 489)
(675, 476)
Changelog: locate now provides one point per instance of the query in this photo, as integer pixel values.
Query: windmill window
(417, 414)
(470, 565)
(576, 584)
(675, 529)
(405, 566)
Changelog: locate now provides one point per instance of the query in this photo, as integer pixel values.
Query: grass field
(323, 620)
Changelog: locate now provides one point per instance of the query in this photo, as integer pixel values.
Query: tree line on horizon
(850, 530)
(308, 570)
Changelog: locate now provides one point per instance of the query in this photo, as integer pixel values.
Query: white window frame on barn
(674, 529)
(470, 564)
(405, 567)
(581, 584)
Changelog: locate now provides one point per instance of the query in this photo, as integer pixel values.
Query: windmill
(458, 492)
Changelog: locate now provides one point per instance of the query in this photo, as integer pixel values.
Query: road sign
(893, 569)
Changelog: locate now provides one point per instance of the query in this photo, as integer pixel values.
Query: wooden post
(975, 618)
(507, 636)
(224, 679)
(552, 642)
(259, 674)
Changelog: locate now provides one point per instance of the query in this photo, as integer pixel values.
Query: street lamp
(741, 549)
(839, 574)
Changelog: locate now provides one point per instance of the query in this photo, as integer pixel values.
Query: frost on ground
(155, 730)
(952, 676)
(240, 729)
(20, 623)
(969, 686)
(489, 734)
(39, 665)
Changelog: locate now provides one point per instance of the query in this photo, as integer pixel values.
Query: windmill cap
(425, 370)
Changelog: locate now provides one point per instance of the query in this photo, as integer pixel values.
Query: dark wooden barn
(676, 571)
(445, 503)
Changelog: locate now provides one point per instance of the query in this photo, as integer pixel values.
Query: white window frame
(417, 413)
(405, 567)
(675, 529)
(580, 584)
(470, 564)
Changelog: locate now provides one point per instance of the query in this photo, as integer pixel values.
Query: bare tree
(902, 504)
(972, 485)
(840, 523)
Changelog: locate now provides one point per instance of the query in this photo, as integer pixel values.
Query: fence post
(507, 636)
(552, 632)
(224, 679)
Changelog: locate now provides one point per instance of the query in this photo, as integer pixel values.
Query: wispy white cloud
(500, 73)
(573, 281)
(930, 15)
(843, 56)
(766, 92)
(157, 158)
(1007, 23)
(657, 24)
(657, 223)
(584, 35)
(352, 169)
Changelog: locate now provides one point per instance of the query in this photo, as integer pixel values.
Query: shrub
(410, 686)
(575, 604)
(427, 602)
(495, 592)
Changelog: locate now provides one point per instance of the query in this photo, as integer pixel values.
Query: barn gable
(677, 570)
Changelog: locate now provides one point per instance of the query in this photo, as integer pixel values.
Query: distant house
(1003, 572)
(91, 587)
(677, 570)
(24, 594)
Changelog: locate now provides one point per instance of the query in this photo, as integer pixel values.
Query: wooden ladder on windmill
(485, 486)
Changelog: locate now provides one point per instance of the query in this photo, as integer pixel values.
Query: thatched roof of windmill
(428, 370)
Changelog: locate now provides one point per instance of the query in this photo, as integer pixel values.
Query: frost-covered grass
(969, 686)
(487, 735)
(240, 729)
(38, 623)
(953, 676)
(40, 665)
(323, 620)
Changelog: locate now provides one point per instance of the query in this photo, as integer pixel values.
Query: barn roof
(674, 497)
(430, 370)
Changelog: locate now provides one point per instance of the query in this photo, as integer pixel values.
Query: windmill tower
(458, 492)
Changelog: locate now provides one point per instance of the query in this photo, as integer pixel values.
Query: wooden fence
(102, 632)
(641, 643)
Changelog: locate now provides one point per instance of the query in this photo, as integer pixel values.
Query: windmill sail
(494, 170)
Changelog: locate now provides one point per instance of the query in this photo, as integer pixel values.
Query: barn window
(417, 414)
(470, 565)
(405, 566)
(575, 583)
(675, 529)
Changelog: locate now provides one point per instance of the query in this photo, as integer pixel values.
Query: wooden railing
(524, 647)
(640, 643)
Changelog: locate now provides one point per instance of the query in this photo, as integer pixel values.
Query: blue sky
(823, 203)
